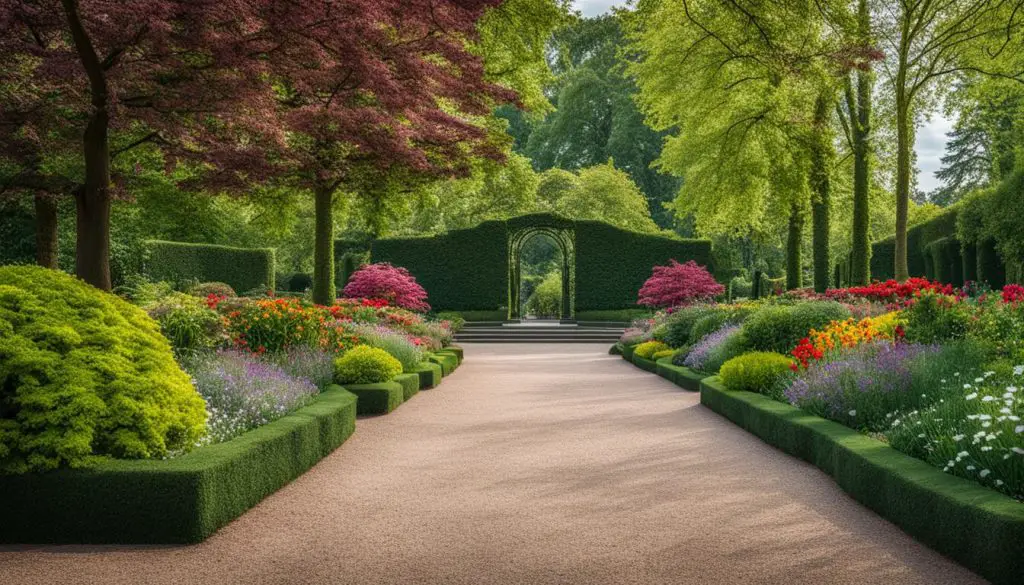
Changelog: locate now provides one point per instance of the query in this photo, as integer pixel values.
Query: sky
(931, 137)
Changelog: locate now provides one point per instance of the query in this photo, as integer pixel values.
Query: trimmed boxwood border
(378, 398)
(410, 384)
(447, 361)
(977, 527)
(180, 500)
(430, 374)
(683, 377)
(645, 364)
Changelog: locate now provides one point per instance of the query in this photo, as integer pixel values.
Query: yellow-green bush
(84, 373)
(754, 372)
(366, 365)
(663, 354)
(647, 349)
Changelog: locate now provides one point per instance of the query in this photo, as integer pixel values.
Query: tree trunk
(904, 143)
(794, 268)
(46, 230)
(821, 165)
(324, 290)
(92, 249)
(860, 265)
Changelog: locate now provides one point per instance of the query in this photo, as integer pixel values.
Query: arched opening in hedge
(521, 242)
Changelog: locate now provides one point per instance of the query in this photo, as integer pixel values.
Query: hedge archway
(475, 271)
(565, 239)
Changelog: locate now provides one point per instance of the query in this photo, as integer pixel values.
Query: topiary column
(323, 247)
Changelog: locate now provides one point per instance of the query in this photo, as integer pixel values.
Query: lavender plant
(859, 386)
(307, 363)
(709, 353)
(243, 392)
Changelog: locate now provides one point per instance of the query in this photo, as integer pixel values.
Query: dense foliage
(366, 365)
(83, 374)
(389, 283)
(679, 284)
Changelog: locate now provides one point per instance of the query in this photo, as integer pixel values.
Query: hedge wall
(612, 264)
(242, 268)
(181, 500)
(975, 526)
(461, 270)
(467, 270)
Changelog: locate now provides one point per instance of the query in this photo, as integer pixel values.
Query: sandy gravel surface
(544, 464)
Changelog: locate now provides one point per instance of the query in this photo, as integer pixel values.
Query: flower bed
(977, 527)
(179, 500)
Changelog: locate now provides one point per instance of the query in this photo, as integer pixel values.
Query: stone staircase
(538, 331)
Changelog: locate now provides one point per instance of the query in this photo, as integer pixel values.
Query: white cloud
(930, 146)
(595, 7)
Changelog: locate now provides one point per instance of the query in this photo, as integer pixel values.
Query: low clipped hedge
(454, 350)
(975, 526)
(430, 374)
(377, 398)
(242, 268)
(447, 361)
(683, 377)
(180, 500)
(644, 363)
(410, 384)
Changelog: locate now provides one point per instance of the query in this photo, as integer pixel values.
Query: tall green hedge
(612, 264)
(461, 270)
(922, 259)
(242, 268)
(468, 270)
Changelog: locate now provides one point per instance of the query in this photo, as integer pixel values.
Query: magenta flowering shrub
(390, 283)
(679, 284)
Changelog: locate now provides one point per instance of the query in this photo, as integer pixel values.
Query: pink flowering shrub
(387, 282)
(679, 284)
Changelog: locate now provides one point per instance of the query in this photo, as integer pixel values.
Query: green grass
(978, 527)
(378, 398)
(181, 500)
(614, 315)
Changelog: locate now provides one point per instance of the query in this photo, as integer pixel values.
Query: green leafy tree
(927, 42)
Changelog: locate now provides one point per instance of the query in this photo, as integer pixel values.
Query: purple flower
(243, 392)
(702, 351)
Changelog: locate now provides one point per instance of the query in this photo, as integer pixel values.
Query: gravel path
(543, 464)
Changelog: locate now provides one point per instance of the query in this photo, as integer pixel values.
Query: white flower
(853, 413)
(984, 417)
(999, 482)
(966, 386)
(1018, 370)
(1012, 389)
(984, 473)
(970, 468)
(921, 436)
(979, 434)
(971, 396)
(986, 448)
(979, 379)
(962, 454)
(943, 380)
(1019, 429)
(1017, 450)
(989, 373)
(958, 438)
(986, 425)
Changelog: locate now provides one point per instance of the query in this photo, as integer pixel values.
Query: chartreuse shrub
(757, 371)
(84, 373)
(779, 328)
(663, 354)
(647, 349)
(366, 365)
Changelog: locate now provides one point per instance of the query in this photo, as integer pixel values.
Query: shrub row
(243, 269)
(180, 500)
(977, 527)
